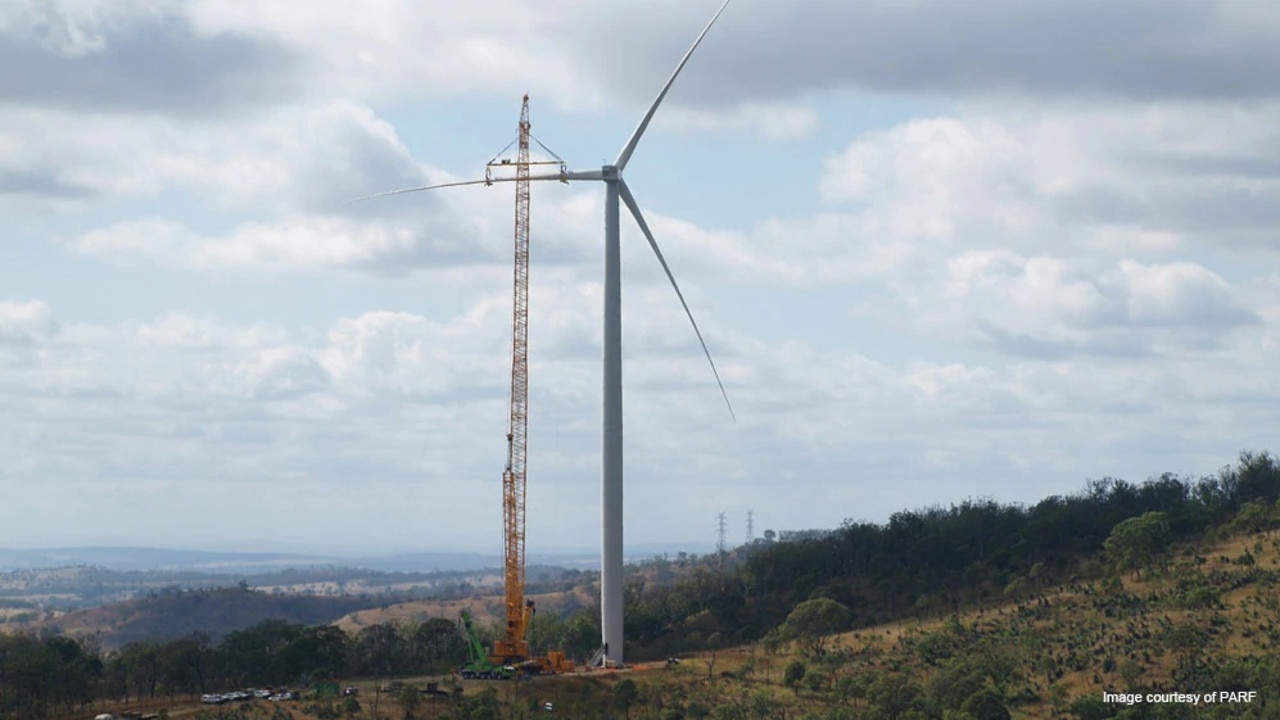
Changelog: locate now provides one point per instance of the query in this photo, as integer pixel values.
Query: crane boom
(512, 649)
(513, 645)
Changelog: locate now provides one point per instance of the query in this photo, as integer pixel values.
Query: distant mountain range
(143, 559)
(209, 561)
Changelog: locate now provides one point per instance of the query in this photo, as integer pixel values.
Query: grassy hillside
(976, 611)
(485, 608)
(213, 612)
(1209, 621)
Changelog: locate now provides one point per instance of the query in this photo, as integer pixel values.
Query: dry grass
(1046, 621)
(1052, 618)
(484, 608)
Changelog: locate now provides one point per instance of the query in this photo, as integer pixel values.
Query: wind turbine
(611, 434)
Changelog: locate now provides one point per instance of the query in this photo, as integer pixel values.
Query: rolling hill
(171, 615)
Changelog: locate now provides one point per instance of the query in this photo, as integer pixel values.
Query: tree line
(923, 562)
(935, 560)
(41, 676)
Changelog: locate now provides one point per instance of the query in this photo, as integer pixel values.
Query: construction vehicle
(479, 666)
(511, 651)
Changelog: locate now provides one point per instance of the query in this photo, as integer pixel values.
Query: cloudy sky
(940, 250)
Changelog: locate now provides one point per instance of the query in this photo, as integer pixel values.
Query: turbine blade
(415, 189)
(563, 177)
(625, 156)
(596, 174)
(627, 198)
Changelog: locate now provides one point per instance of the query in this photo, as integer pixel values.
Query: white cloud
(775, 121)
(415, 408)
(584, 56)
(25, 323)
(265, 160)
(71, 29)
(293, 244)
(1059, 273)
(445, 234)
(388, 48)
(1054, 307)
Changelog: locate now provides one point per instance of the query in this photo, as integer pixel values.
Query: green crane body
(480, 667)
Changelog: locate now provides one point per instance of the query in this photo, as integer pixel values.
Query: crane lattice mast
(513, 477)
(512, 648)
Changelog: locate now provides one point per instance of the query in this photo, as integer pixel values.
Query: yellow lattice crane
(513, 648)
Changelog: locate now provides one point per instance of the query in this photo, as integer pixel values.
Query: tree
(792, 676)
(379, 650)
(320, 649)
(954, 683)
(581, 633)
(1139, 542)
(1091, 707)
(177, 667)
(25, 668)
(812, 621)
(772, 644)
(893, 694)
(1254, 517)
(986, 704)
(697, 710)
(999, 663)
(197, 654)
(762, 705)
(438, 646)
(252, 655)
(142, 663)
(625, 696)
(851, 688)
(728, 711)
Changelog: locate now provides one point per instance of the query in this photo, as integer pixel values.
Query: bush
(986, 704)
(792, 676)
(816, 681)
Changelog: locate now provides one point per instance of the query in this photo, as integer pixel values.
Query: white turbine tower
(611, 434)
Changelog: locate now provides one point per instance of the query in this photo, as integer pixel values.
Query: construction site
(511, 652)
(510, 656)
